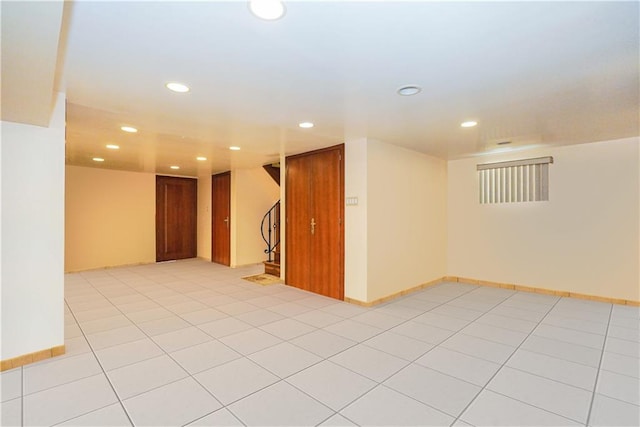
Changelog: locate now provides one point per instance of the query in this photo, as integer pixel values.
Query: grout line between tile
(534, 406)
(22, 395)
(217, 410)
(102, 368)
(168, 355)
(329, 417)
(188, 274)
(595, 384)
(504, 363)
(381, 383)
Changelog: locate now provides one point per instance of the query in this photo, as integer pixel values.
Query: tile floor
(191, 343)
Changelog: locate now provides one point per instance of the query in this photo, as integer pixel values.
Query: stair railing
(271, 227)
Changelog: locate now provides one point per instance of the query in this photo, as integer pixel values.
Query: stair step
(272, 268)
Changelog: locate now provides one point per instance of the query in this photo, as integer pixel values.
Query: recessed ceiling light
(174, 167)
(269, 10)
(98, 159)
(409, 90)
(200, 158)
(469, 124)
(177, 87)
(305, 125)
(129, 129)
(113, 147)
(234, 148)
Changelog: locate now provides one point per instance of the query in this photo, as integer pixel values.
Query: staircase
(270, 228)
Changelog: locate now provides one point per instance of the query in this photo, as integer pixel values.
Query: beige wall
(253, 192)
(110, 218)
(204, 217)
(406, 219)
(396, 237)
(585, 239)
(32, 228)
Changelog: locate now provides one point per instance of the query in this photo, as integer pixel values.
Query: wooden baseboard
(36, 356)
(394, 295)
(545, 291)
(108, 267)
(511, 286)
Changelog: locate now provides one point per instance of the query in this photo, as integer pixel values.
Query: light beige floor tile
(322, 343)
(493, 409)
(564, 400)
(566, 372)
(54, 372)
(183, 338)
(11, 384)
(68, 401)
(11, 413)
(163, 325)
(284, 359)
(445, 393)
(174, 404)
(399, 345)
(280, 405)
(331, 384)
(126, 354)
(385, 407)
(369, 362)
(143, 376)
(235, 380)
(110, 416)
(459, 365)
(221, 417)
(204, 356)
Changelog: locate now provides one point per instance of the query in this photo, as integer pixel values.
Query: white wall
(585, 239)
(406, 219)
(253, 193)
(204, 217)
(32, 288)
(110, 218)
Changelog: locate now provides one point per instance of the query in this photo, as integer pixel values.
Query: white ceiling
(532, 73)
(29, 56)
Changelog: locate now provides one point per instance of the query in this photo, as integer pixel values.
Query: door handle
(226, 221)
(313, 226)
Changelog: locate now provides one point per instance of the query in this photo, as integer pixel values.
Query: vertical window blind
(515, 181)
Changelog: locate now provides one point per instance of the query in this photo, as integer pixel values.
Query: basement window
(515, 181)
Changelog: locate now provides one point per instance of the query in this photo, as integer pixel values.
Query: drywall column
(32, 290)
(355, 221)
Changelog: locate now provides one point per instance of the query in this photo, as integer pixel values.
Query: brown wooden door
(176, 218)
(315, 232)
(221, 218)
(298, 208)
